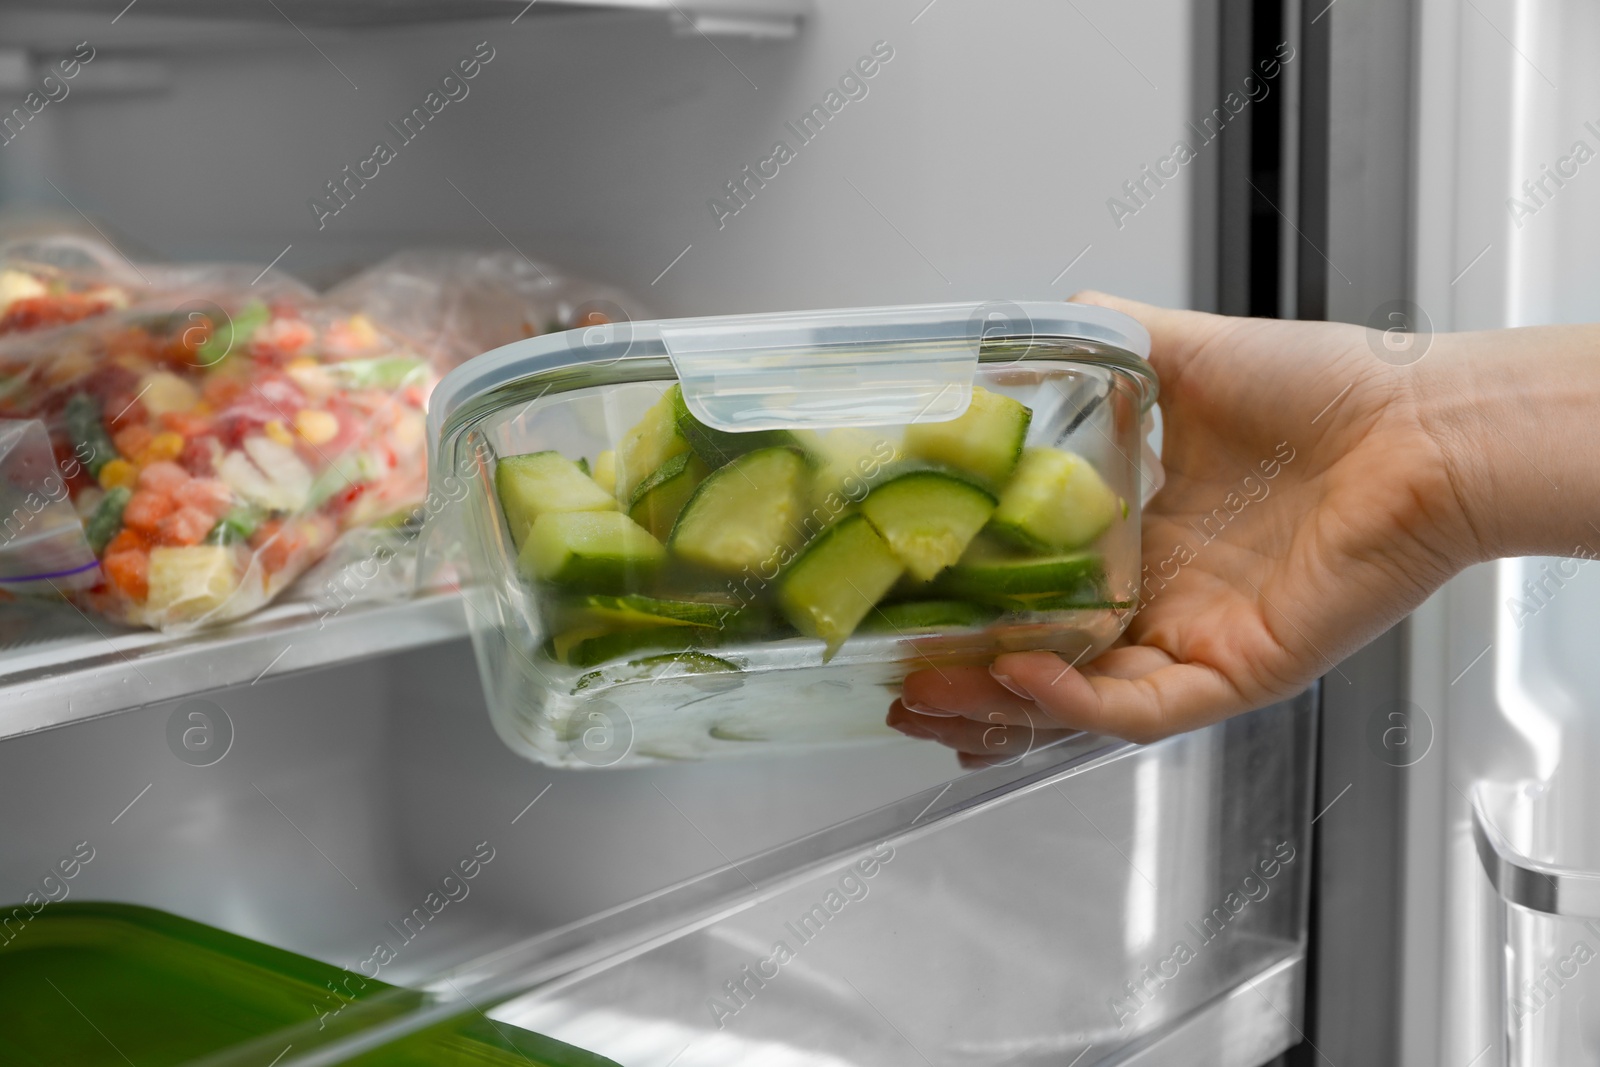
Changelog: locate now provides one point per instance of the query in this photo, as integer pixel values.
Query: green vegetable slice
(1055, 501)
(928, 518)
(236, 526)
(88, 432)
(718, 447)
(746, 514)
(598, 550)
(1088, 597)
(585, 648)
(383, 372)
(232, 334)
(666, 665)
(846, 462)
(985, 440)
(837, 580)
(636, 610)
(659, 499)
(984, 575)
(914, 616)
(542, 483)
(106, 519)
(652, 441)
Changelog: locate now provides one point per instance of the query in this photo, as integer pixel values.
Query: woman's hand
(1308, 506)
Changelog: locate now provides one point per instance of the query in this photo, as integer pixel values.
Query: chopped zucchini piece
(658, 667)
(605, 471)
(718, 447)
(1055, 501)
(659, 498)
(837, 580)
(911, 616)
(636, 610)
(1090, 595)
(984, 574)
(928, 518)
(745, 514)
(585, 648)
(985, 440)
(543, 483)
(599, 550)
(846, 462)
(653, 440)
(190, 581)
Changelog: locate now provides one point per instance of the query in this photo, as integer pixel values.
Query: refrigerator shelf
(58, 666)
(756, 18)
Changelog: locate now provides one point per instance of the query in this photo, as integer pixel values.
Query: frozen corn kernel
(119, 473)
(317, 427)
(163, 391)
(276, 431)
(162, 447)
(16, 285)
(312, 378)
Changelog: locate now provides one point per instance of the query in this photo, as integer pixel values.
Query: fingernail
(1015, 687)
(923, 709)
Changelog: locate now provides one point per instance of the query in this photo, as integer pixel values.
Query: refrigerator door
(1505, 203)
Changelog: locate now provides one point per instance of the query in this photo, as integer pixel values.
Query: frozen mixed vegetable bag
(215, 451)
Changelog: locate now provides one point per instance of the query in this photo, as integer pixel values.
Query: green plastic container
(106, 985)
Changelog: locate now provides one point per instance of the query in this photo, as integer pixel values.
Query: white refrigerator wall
(977, 164)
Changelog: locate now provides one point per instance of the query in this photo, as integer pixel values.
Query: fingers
(969, 691)
(1137, 693)
(979, 743)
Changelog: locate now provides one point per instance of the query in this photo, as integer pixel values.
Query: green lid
(105, 985)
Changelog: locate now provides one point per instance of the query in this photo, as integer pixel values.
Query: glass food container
(710, 536)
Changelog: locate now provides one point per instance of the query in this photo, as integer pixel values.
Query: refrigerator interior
(978, 161)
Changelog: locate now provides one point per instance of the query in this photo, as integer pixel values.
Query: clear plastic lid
(847, 367)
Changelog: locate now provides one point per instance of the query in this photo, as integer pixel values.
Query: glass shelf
(760, 18)
(58, 665)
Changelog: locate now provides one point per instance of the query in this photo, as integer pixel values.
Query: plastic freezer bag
(213, 455)
(43, 546)
(459, 304)
(55, 280)
(47, 282)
